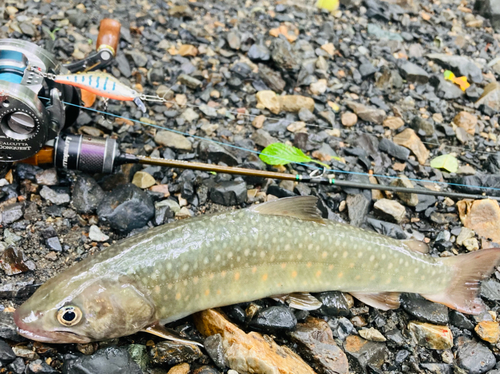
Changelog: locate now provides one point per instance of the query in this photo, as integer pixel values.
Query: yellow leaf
(330, 5)
(461, 82)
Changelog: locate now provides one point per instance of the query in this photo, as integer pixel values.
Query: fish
(276, 248)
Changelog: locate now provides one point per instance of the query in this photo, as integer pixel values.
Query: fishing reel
(34, 109)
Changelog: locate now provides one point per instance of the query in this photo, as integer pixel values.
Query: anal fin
(383, 300)
(161, 331)
(299, 300)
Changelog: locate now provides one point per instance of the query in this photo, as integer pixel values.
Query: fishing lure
(104, 85)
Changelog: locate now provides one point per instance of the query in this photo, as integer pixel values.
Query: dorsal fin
(417, 246)
(302, 207)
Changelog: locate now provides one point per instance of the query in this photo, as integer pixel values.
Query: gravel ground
(377, 104)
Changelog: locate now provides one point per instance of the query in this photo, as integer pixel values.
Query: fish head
(84, 311)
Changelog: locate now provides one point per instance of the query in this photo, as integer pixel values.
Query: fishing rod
(99, 155)
(92, 154)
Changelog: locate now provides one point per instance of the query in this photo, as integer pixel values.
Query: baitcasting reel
(32, 110)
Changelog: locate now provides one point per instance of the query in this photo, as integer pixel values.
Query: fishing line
(281, 158)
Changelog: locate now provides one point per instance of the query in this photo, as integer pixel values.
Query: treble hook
(316, 173)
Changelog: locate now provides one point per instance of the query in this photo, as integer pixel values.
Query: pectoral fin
(302, 207)
(161, 331)
(417, 246)
(383, 301)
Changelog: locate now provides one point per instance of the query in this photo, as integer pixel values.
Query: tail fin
(470, 269)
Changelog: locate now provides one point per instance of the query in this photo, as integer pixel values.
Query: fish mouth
(44, 336)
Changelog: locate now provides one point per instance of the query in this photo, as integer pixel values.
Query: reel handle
(107, 44)
(109, 35)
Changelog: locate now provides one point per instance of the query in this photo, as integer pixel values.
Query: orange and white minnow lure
(104, 85)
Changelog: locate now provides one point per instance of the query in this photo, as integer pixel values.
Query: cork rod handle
(109, 35)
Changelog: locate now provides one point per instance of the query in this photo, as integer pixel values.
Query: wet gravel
(374, 101)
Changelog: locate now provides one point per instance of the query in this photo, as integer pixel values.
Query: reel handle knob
(109, 35)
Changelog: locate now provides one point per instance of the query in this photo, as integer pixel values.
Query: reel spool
(31, 107)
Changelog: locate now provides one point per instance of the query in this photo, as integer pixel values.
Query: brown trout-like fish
(280, 247)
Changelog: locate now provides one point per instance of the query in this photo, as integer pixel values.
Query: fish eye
(69, 315)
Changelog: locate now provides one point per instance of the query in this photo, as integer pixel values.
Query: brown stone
(319, 87)
(180, 369)
(409, 199)
(409, 139)
(367, 113)
(328, 48)
(349, 119)
(268, 100)
(488, 331)
(372, 334)
(316, 344)
(365, 351)
(258, 122)
(431, 336)
(393, 123)
(398, 166)
(482, 216)
(296, 126)
(466, 121)
(188, 50)
(143, 179)
(376, 194)
(490, 97)
(161, 188)
(294, 103)
(252, 352)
